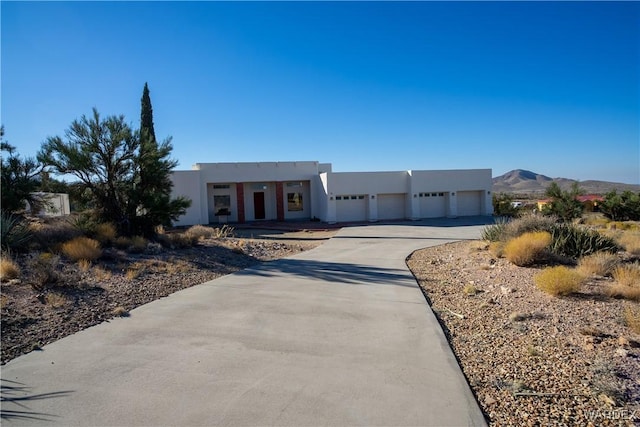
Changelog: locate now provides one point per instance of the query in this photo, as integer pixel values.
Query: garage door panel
(433, 205)
(350, 209)
(469, 203)
(391, 206)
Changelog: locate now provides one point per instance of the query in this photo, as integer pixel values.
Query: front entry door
(258, 205)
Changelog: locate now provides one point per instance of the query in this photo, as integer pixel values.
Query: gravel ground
(530, 358)
(119, 282)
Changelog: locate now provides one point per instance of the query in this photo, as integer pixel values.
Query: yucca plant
(574, 242)
(14, 231)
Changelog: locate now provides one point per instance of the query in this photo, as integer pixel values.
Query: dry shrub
(470, 290)
(105, 233)
(101, 274)
(181, 240)
(120, 311)
(122, 242)
(630, 241)
(528, 223)
(527, 248)
(199, 232)
(84, 264)
(82, 248)
(478, 246)
(558, 280)
(138, 244)
(627, 284)
(598, 264)
(224, 232)
(55, 299)
(497, 249)
(42, 269)
(53, 232)
(8, 269)
(632, 318)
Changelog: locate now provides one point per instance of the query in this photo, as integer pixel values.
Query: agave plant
(14, 231)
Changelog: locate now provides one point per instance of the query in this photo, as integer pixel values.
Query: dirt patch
(530, 358)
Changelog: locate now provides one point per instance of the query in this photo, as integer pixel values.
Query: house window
(221, 186)
(434, 194)
(259, 186)
(294, 202)
(222, 205)
(338, 197)
(441, 194)
(294, 184)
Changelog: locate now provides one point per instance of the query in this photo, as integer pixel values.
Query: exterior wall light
(453, 194)
(373, 197)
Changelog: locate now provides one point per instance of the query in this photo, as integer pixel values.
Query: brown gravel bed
(530, 358)
(79, 299)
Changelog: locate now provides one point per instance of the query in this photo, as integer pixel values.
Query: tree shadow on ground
(335, 272)
(17, 395)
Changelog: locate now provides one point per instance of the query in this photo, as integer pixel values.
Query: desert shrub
(138, 244)
(120, 311)
(558, 280)
(630, 241)
(529, 223)
(527, 248)
(597, 264)
(574, 242)
(84, 222)
(497, 249)
(470, 290)
(9, 269)
(122, 242)
(224, 232)
(200, 232)
(55, 299)
(627, 282)
(14, 232)
(632, 318)
(42, 269)
(495, 232)
(53, 232)
(596, 220)
(105, 233)
(82, 248)
(181, 240)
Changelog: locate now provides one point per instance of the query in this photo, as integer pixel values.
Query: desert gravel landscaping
(531, 358)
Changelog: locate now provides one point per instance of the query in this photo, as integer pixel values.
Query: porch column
(279, 201)
(240, 201)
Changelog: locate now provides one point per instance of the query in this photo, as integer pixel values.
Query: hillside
(524, 181)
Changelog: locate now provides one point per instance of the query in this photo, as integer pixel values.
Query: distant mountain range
(524, 181)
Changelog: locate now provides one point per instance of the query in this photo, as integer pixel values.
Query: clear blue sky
(544, 86)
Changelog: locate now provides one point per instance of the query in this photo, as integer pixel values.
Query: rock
(623, 342)
(506, 290)
(489, 401)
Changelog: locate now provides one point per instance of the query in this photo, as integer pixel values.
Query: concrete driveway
(339, 335)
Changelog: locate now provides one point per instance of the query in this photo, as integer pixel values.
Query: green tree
(20, 179)
(503, 205)
(102, 154)
(153, 185)
(564, 204)
(621, 207)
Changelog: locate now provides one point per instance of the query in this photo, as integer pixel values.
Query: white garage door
(469, 203)
(351, 208)
(391, 206)
(433, 205)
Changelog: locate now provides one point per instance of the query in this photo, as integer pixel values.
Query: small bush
(138, 244)
(8, 269)
(630, 241)
(527, 248)
(82, 248)
(470, 290)
(122, 242)
(105, 233)
(497, 249)
(198, 232)
(224, 232)
(558, 280)
(120, 312)
(495, 232)
(84, 222)
(42, 269)
(53, 232)
(101, 274)
(627, 283)
(632, 318)
(597, 264)
(181, 240)
(575, 242)
(55, 299)
(528, 224)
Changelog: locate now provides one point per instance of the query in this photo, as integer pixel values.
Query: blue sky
(545, 86)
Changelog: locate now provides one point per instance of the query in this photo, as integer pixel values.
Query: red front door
(258, 205)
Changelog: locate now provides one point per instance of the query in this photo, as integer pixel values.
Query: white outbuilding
(245, 192)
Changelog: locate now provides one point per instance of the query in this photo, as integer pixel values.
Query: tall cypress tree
(153, 186)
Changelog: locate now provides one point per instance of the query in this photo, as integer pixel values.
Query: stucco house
(244, 192)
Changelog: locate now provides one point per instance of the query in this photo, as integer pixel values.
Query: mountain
(524, 181)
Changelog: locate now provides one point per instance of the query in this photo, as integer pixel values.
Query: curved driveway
(339, 335)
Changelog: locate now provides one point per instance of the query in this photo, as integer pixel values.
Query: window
(338, 197)
(259, 186)
(441, 194)
(360, 197)
(221, 186)
(294, 184)
(294, 202)
(434, 194)
(354, 197)
(222, 205)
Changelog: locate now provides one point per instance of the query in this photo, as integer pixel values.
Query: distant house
(53, 204)
(589, 201)
(281, 191)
